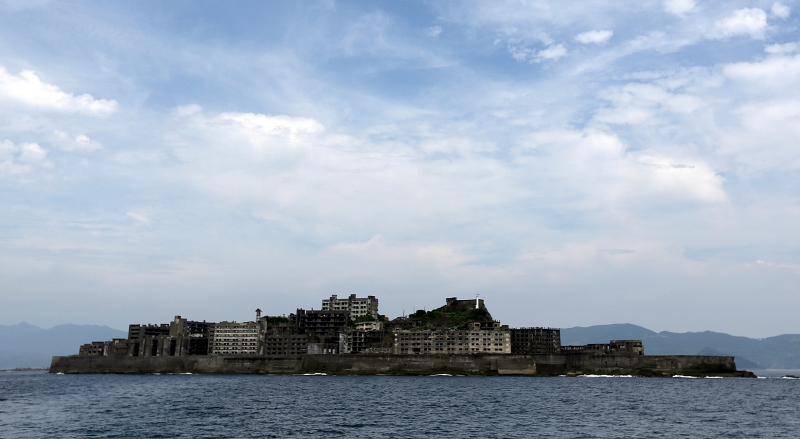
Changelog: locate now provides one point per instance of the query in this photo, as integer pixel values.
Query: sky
(574, 163)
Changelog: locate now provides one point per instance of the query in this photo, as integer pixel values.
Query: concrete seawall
(479, 364)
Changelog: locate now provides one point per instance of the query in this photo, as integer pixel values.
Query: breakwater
(475, 364)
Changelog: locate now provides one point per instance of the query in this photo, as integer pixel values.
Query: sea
(41, 405)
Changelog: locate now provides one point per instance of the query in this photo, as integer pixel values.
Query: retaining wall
(479, 364)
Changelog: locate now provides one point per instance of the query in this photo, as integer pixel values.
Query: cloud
(20, 159)
(793, 267)
(747, 21)
(433, 31)
(555, 51)
(359, 155)
(781, 49)
(679, 7)
(261, 124)
(187, 110)
(81, 142)
(27, 88)
(594, 37)
(144, 219)
(773, 72)
(780, 10)
(694, 180)
(644, 103)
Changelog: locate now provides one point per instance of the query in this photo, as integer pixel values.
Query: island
(348, 336)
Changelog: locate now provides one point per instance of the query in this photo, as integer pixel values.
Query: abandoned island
(348, 336)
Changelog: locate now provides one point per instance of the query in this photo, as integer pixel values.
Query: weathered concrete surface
(480, 364)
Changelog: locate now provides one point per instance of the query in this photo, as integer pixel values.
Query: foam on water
(605, 376)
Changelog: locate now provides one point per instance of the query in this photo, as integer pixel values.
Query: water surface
(38, 405)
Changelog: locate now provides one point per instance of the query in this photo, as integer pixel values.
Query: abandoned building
(358, 341)
(460, 327)
(616, 347)
(535, 340)
(232, 338)
(355, 306)
(471, 341)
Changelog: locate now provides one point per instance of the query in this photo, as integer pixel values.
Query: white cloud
(81, 142)
(31, 153)
(774, 72)
(20, 159)
(261, 124)
(781, 49)
(144, 219)
(433, 31)
(695, 179)
(679, 7)
(555, 51)
(780, 10)
(187, 110)
(28, 88)
(645, 103)
(747, 21)
(594, 36)
(794, 267)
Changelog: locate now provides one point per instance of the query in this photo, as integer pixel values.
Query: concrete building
(177, 338)
(355, 306)
(472, 341)
(147, 340)
(93, 349)
(322, 327)
(369, 326)
(284, 339)
(320, 321)
(615, 347)
(535, 340)
(358, 341)
(232, 338)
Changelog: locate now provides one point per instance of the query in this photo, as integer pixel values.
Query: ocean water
(39, 405)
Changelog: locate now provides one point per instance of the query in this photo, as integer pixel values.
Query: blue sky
(589, 163)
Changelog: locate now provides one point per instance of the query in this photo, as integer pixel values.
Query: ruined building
(535, 341)
(355, 306)
(458, 327)
(615, 347)
(232, 338)
(495, 340)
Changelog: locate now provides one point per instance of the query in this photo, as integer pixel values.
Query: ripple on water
(212, 406)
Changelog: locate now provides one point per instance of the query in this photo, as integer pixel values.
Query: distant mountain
(25, 345)
(780, 352)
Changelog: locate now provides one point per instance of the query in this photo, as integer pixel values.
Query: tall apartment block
(356, 306)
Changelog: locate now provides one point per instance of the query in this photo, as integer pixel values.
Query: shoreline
(573, 364)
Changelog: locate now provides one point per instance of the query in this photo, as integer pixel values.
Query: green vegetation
(366, 318)
(449, 317)
(276, 320)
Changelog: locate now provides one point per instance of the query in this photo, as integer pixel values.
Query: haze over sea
(37, 405)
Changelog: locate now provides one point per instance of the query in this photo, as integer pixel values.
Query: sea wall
(479, 364)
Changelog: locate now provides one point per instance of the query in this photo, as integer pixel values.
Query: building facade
(232, 338)
(355, 306)
(473, 341)
(535, 340)
(615, 347)
(284, 339)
